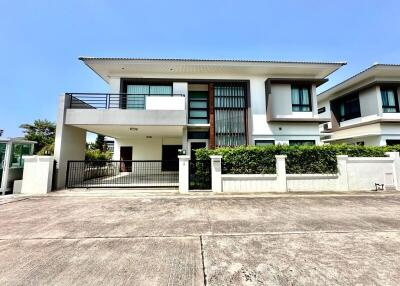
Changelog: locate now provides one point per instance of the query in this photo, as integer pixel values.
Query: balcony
(125, 109)
(126, 101)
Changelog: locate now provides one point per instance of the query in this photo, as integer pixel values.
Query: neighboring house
(157, 106)
(364, 109)
(11, 162)
(110, 144)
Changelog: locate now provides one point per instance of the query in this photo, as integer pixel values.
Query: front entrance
(199, 170)
(170, 157)
(126, 158)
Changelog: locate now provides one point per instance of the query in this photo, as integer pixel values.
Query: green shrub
(300, 159)
(97, 155)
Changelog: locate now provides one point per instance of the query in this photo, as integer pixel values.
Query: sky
(40, 41)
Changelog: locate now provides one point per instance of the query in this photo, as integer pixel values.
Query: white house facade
(156, 108)
(364, 109)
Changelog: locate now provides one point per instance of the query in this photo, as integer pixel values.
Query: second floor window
(390, 102)
(144, 89)
(301, 98)
(346, 108)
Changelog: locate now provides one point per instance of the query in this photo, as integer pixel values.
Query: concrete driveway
(200, 240)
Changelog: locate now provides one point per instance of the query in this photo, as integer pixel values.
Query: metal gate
(200, 174)
(122, 174)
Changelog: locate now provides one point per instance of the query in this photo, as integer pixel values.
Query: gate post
(281, 173)
(216, 178)
(183, 173)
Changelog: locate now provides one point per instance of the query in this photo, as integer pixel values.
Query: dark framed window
(301, 98)
(360, 143)
(321, 110)
(301, 142)
(198, 107)
(264, 142)
(198, 135)
(137, 92)
(230, 103)
(391, 142)
(390, 101)
(347, 108)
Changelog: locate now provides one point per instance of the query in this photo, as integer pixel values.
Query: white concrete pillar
(281, 173)
(314, 101)
(216, 173)
(396, 168)
(70, 142)
(185, 140)
(183, 173)
(343, 184)
(38, 175)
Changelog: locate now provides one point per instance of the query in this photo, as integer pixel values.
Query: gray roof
(211, 60)
(356, 75)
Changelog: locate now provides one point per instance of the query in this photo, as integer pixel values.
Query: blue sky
(40, 41)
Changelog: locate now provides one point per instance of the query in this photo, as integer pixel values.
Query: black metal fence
(122, 174)
(110, 100)
(200, 174)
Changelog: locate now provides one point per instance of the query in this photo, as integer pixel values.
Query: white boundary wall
(354, 174)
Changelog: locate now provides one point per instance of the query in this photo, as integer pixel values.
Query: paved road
(150, 240)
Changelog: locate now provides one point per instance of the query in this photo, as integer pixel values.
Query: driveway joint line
(204, 235)
(202, 261)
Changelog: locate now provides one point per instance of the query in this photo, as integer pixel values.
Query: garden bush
(300, 159)
(97, 155)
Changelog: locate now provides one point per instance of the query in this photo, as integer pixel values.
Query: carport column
(183, 173)
(216, 178)
(343, 184)
(281, 173)
(396, 168)
(70, 142)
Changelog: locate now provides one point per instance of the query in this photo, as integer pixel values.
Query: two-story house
(157, 106)
(364, 109)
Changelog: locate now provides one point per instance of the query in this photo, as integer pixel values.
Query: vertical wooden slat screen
(230, 111)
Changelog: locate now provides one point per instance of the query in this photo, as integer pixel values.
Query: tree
(41, 131)
(99, 144)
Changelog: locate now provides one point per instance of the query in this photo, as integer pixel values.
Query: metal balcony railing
(111, 100)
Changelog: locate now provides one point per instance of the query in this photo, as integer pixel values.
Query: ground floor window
(392, 142)
(264, 142)
(301, 142)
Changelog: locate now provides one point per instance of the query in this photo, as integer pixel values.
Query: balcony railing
(112, 100)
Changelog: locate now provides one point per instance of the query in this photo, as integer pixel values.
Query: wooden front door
(126, 158)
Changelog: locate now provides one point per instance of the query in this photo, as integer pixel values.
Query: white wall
(145, 148)
(354, 174)
(165, 103)
(70, 142)
(363, 173)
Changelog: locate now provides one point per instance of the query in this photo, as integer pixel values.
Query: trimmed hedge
(300, 159)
